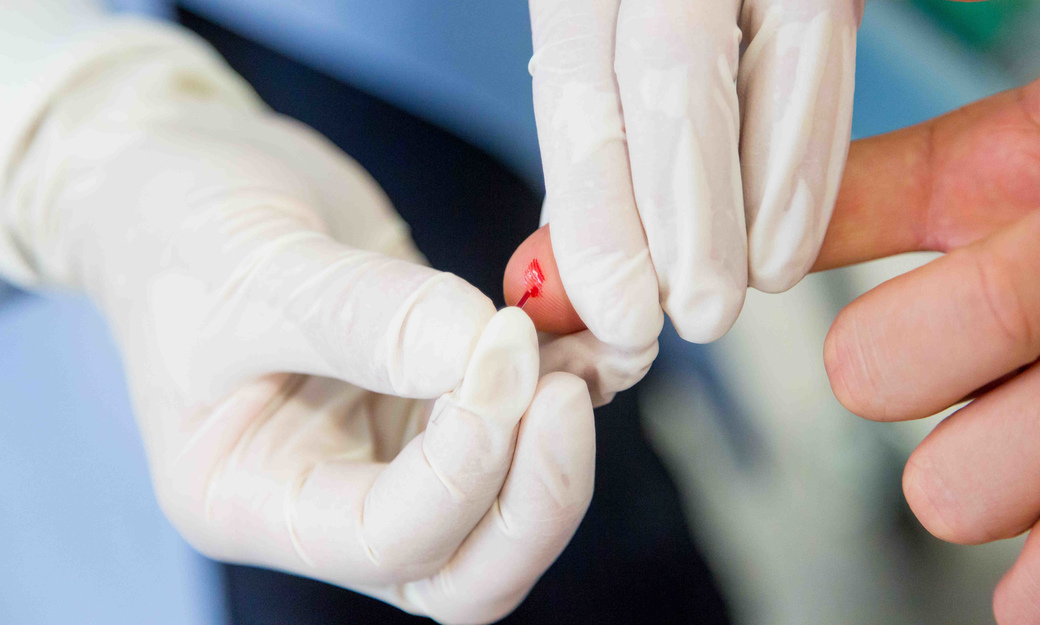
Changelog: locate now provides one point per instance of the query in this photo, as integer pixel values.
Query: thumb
(293, 299)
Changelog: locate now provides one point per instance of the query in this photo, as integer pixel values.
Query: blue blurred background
(747, 427)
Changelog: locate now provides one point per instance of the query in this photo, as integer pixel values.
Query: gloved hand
(679, 171)
(311, 399)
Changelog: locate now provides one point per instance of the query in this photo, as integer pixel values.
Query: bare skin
(551, 309)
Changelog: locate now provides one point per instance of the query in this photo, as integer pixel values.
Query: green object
(980, 24)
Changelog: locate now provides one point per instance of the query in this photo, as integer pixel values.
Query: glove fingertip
(783, 247)
(438, 337)
(708, 312)
(502, 373)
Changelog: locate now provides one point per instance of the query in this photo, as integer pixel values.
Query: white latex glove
(272, 342)
(679, 171)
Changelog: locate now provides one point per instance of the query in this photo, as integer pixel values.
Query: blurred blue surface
(908, 70)
(84, 538)
(461, 64)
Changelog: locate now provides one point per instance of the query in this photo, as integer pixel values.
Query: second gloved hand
(311, 398)
(690, 149)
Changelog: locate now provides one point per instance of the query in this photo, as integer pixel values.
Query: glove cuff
(39, 70)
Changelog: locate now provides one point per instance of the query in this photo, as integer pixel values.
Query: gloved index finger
(676, 67)
(597, 236)
(295, 300)
(796, 84)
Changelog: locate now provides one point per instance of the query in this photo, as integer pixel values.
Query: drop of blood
(535, 280)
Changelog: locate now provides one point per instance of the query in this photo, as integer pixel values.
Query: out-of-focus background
(795, 503)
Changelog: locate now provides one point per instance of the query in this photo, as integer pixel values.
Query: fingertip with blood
(532, 282)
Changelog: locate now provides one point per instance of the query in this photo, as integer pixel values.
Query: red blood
(551, 311)
(534, 279)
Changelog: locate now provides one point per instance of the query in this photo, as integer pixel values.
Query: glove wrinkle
(500, 518)
(457, 495)
(366, 545)
(236, 287)
(292, 495)
(226, 461)
(396, 365)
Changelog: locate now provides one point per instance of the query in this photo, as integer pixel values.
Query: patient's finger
(921, 342)
(940, 185)
(976, 477)
(533, 264)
